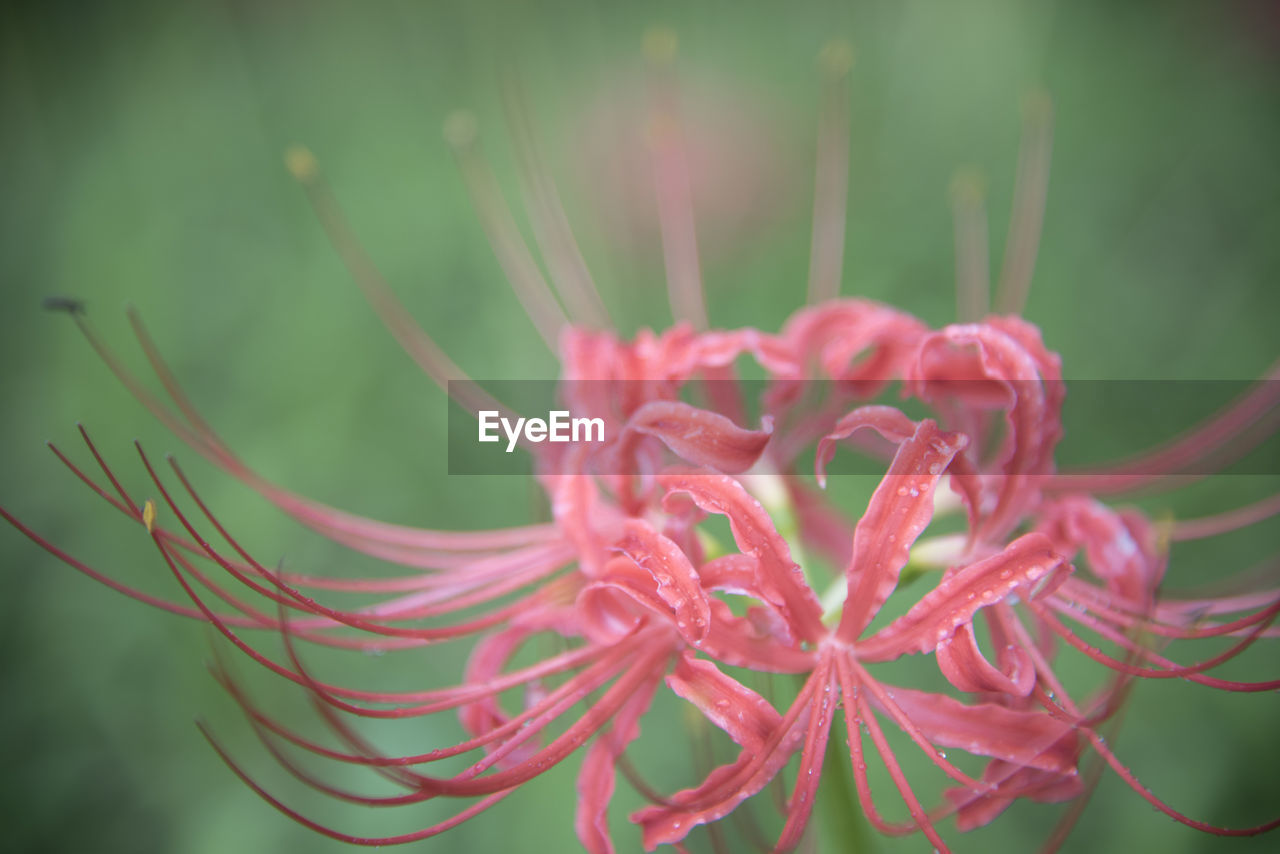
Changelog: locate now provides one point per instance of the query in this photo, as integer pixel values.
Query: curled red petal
(720, 348)
(700, 436)
(974, 810)
(1120, 546)
(732, 573)
(888, 421)
(780, 581)
(676, 582)
(965, 667)
(967, 369)
(747, 717)
(728, 785)
(861, 343)
(1028, 565)
(1034, 739)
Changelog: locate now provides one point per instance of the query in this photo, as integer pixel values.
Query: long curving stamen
(531, 720)
(374, 625)
(224, 627)
(130, 507)
(857, 757)
(208, 446)
(304, 167)
(914, 807)
(277, 751)
(1076, 809)
(1083, 596)
(673, 182)
(1030, 190)
(1171, 670)
(368, 841)
(513, 255)
(352, 530)
(1224, 437)
(812, 755)
(973, 267)
(252, 618)
(485, 577)
(909, 727)
(132, 592)
(440, 699)
(413, 582)
(1132, 782)
(551, 229)
(469, 783)
(1222, 523)
(831, 176)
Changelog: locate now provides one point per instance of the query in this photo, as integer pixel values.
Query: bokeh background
(140, 161)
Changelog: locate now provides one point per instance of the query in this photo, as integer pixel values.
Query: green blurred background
(140, 160)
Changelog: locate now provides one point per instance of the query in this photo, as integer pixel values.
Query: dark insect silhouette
(68, 304)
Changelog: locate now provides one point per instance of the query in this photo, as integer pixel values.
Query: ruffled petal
(728, 785)
(743, 714)
(779, 580)
(698, 436)
(974, 810)
(1120, 547)
(899, 510)
(888, 421)
(654, 574)
(1033, 739)
(1029, 566)
(861, 343)
(965, 667)
(966, 370)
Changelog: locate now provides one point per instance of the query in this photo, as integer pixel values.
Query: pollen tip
(1037, 105)
(836, 58)
(461, 129)
(660, 45)
(968, 187)
(1164, 526)
(149, 515)
(301, 163)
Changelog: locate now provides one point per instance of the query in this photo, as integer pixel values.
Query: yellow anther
(836, 58)
(660, 45)
(1163, 525)
(1037, 106)
(149, 515)
(968, 187)
(301, 163)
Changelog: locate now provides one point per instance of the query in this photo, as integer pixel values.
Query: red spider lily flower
(898, 512)
(622, 583)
